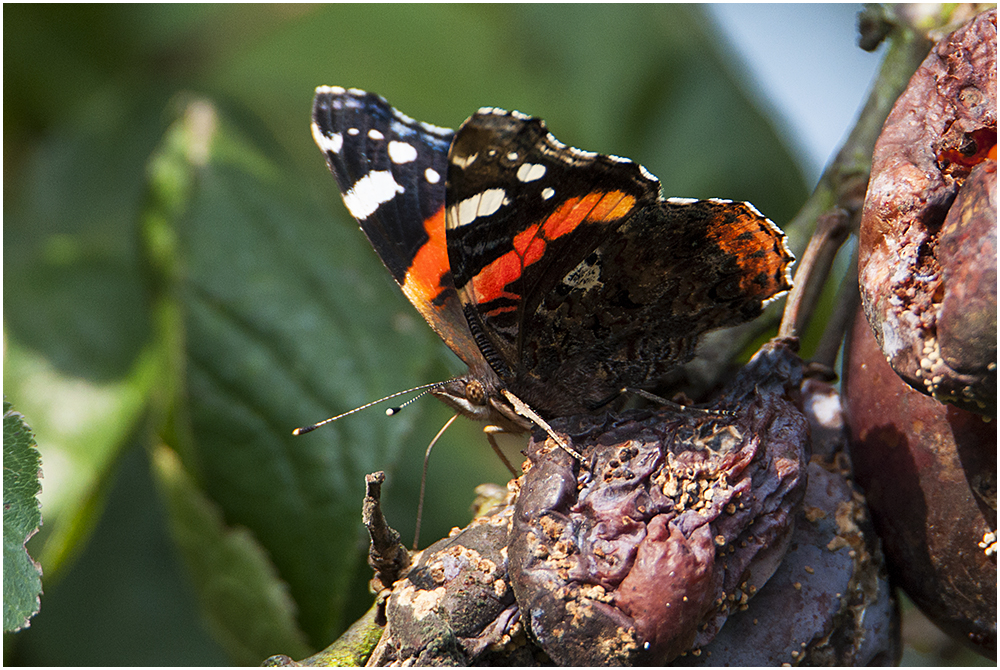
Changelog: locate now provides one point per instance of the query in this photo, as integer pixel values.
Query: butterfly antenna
(392, 410)
(423, 479)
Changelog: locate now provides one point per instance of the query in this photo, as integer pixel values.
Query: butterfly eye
(475, 393)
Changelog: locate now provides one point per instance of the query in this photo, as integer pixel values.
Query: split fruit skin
(927, 249)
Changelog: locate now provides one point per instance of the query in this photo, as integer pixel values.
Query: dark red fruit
(929, 474)
(927, 253)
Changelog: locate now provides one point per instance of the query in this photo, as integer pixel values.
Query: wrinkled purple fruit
(829, 603)
(929, 474)
(675, 521)
(927, 252)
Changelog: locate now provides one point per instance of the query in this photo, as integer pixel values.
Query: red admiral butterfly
(559, 276)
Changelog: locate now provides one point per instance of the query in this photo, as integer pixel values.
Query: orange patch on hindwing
(760, 253)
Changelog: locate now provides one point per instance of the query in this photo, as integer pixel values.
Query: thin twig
(831, 231)
(844, 308)
(386, 555)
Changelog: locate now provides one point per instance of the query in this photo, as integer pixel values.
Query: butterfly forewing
(391, 172)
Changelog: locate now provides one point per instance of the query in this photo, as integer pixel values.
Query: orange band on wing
(529, 245)
(489, 283)
(569, 215)
(613, 206)
(422, 284)
(595, 207)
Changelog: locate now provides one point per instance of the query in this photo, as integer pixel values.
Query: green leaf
(247, 605)
(80, 351)
(22, 577)
(82, 425)
(275, 336)
(72, 259)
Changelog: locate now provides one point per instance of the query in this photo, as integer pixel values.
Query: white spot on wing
(405, 118)
(530, 172)
(547, 193)
(352, 131)
(556, 143)
(585, 276)
(479, 205)
(332, 142)
(491, 200)
(375, 134)
(401, 152)
(432, 176)
(463, 161)
(332, 90)
(369, 192)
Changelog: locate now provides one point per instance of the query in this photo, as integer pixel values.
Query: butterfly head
(478, 400)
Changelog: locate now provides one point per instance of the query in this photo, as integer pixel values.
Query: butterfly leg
(522, 408)
(675, 405)
(490, 431)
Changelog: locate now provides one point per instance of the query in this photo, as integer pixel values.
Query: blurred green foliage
(183, 287)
